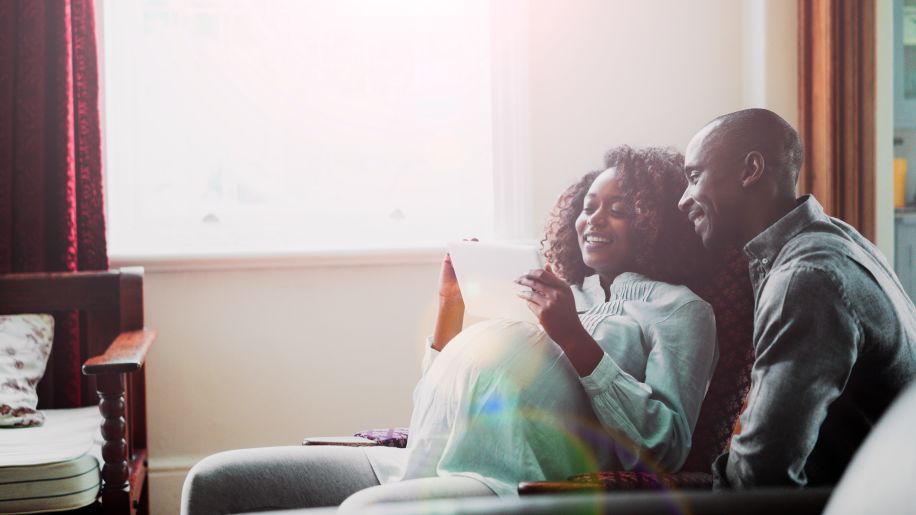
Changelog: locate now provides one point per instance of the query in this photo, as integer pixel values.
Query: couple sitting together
(616, 372)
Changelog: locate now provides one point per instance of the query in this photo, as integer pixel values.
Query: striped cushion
(54, 466)
(64, 485)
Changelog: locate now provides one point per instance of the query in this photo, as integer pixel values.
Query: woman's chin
(591, 261)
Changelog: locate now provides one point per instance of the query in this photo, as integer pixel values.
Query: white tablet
(486, 273)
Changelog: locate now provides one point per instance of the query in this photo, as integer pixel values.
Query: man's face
(712, 199)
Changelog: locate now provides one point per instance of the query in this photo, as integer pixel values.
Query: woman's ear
(639, 207)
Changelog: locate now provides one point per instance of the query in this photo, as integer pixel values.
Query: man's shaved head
(741, 170)
(738, 133)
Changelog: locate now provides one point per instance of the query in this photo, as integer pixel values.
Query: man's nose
(686, 200)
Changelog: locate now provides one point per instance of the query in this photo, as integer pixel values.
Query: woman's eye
(620, 209)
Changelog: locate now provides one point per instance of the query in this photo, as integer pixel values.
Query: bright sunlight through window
(253, 126)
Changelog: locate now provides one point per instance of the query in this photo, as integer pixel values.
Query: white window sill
(305, 259)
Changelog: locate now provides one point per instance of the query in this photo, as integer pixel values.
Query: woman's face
(604, 227)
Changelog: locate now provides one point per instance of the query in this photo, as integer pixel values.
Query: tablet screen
(486, 273)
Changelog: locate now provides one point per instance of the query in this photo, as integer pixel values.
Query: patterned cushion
(392, 437)
(25, 344)
(632, 480)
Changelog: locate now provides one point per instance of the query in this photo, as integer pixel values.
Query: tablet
(486, 275)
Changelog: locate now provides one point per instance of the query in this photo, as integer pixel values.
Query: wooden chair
(114, 345)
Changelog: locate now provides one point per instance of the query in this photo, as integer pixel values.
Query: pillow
(393, 437)
(25, 344)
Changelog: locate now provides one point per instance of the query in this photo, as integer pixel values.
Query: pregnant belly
(505, 350)
(500, 400)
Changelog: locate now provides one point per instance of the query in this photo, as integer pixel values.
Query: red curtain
(51, 209)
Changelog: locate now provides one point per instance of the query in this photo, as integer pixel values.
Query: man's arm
(807, 340)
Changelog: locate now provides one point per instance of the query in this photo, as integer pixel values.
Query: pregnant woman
(612, 377)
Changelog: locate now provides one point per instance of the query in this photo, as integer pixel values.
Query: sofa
(880, 479)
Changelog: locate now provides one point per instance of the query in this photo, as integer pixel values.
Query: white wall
(265, 357)
(648, 73)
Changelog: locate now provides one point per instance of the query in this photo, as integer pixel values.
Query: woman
(613, 377)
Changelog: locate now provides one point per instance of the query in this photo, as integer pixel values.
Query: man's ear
(753, 168)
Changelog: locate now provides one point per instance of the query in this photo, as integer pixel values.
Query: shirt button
(764, 261)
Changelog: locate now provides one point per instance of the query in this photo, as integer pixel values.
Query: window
(245, 126)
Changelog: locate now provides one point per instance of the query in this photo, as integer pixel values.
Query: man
(834, 332)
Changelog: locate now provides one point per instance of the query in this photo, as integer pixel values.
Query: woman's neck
(606, 281)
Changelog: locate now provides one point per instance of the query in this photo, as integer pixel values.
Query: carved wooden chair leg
(115, 471)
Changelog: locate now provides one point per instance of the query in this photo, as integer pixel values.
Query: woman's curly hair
(652, 180)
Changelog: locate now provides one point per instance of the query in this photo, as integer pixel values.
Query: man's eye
(693, 177)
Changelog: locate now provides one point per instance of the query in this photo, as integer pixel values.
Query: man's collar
(766, 245)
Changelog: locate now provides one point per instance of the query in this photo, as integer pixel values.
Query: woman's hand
(551, 299)
(450, 317)
(449, 292)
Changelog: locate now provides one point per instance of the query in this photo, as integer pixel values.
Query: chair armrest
(126, 353)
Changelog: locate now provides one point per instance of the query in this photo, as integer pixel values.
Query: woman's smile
(604, 225)
(592, 241)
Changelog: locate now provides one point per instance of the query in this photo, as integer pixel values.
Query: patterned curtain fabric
(836, 101)
(51, 209)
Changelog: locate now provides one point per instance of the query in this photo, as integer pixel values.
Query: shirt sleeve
(429, 355)
(656, 417)
(807, 340)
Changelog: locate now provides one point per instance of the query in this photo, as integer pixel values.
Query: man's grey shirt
(835, 341)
